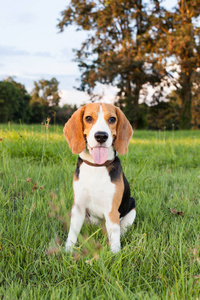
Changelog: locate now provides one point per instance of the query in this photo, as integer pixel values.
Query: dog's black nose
(101, 136)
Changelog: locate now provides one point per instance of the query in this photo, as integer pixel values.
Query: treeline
(135, 44)
(17, 105)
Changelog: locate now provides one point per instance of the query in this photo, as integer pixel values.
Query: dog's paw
(115, 248)
(69, 247)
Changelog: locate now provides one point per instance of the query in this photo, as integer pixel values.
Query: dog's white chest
(94, 190)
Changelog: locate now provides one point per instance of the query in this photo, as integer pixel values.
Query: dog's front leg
(113, 230)
(77, 219)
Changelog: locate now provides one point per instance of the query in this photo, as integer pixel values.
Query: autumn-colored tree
(196, 102)
(117, 50)
(179, 42)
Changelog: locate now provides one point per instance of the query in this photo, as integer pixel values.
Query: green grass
(160, 258)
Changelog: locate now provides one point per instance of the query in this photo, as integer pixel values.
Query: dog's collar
(107, 163)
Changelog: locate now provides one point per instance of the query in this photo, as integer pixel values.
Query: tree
(195, 110)
(117, 50)
(179, 40)
(24, 111)
(38, 113)
(14, 101)
(46, 93)
(164, 115)
(196, 101)
(44, 99)
(64, 113)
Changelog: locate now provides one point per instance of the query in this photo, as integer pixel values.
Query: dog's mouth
(99, 154)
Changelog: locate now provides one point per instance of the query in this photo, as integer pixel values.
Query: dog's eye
(88, 119)
(112, 120)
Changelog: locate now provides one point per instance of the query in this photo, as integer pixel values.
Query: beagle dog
(96, 132)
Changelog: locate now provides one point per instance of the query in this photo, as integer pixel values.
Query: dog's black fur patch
(77, 171)
(128, 203)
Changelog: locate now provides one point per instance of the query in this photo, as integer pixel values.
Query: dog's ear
(124, 133)
(73, 131)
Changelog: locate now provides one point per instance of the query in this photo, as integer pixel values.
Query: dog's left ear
(73, 131)
(124, 133)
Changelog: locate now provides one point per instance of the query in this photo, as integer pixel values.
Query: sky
(31, 48)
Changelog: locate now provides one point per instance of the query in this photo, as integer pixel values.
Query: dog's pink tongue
(100, 155)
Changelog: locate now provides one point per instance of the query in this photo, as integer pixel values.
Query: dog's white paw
(115, 248)
(69, 247)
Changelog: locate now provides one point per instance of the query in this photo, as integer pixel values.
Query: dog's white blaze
(100, 125)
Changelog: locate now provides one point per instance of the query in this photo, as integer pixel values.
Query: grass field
(160, 256)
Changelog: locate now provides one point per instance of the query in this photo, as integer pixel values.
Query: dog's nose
(101, 136)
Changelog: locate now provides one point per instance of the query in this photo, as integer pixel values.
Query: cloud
(42, 54)
(11, 51)
(73, 97)
(26, 17)
(67, 52)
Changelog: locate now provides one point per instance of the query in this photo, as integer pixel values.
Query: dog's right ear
(73, 131)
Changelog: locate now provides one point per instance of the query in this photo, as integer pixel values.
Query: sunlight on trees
(133, 43)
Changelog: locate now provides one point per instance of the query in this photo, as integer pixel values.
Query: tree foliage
(179, 42)
(45, 99)
(46, 93)
(132, 44)
(14, 101)
(196, 101)
(17, 105)
(117, 50)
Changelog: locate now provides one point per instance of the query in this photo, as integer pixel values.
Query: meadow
(160, 256)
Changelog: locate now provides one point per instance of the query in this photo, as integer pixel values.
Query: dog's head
(97, 127)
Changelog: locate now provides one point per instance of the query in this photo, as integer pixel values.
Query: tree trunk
(136, 103)
(132, 101)
(186, 98)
